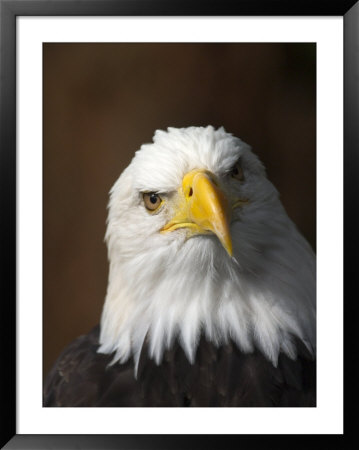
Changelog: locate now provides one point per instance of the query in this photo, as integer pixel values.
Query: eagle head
(199, 244)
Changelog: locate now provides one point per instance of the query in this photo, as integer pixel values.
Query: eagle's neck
(258, 300)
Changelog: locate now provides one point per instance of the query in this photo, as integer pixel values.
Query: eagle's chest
(219, 377)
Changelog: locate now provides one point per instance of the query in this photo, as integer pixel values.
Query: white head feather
(164, 287)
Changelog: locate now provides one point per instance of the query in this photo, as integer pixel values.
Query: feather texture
(222, 376)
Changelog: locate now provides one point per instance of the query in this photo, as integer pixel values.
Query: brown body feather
(219, 377)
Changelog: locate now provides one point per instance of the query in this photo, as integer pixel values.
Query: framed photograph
(84, 86)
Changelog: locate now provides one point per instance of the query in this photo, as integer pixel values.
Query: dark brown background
(102, 101)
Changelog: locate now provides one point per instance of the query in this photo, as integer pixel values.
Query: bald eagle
(211, 297)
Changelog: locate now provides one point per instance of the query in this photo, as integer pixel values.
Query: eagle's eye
(237, 172)
(152, 201)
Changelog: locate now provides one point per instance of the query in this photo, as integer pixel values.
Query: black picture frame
(9, 10)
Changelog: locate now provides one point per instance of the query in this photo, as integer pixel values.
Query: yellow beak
(202, 208)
